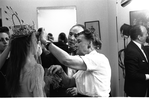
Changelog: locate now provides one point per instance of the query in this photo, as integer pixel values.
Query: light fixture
(125, 2)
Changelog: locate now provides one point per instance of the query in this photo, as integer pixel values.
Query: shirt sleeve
(95, 62)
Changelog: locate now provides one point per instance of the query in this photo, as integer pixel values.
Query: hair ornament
(24, 30)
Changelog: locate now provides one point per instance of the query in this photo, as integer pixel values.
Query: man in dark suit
(137, 64)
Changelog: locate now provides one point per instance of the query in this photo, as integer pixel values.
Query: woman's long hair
(19, 51)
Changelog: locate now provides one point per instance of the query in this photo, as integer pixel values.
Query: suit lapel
(146, 53)
(139, 50)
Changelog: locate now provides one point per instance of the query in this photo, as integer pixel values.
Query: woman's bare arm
(4, 55)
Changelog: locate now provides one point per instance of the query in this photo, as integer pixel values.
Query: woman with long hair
(25, 77)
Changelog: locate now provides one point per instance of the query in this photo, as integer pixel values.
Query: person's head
(138, 33)
(4, 38)
(87, 41)
(22, 47)
(62, 38)
(50, 36)
(124, 30)
(71, 37)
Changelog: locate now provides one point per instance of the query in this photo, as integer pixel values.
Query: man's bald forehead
(76, 29)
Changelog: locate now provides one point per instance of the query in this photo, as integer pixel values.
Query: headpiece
(18, 30)
(23, 30)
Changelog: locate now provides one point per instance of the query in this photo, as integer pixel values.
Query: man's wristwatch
(47, 45)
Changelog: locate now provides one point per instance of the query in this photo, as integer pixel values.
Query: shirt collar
(94, 51)
(138, 44)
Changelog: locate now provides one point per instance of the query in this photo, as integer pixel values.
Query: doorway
(56, 19)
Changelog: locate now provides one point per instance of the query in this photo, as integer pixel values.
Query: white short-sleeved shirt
(96, 80)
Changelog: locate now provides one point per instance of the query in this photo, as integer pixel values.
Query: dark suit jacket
(136, 67)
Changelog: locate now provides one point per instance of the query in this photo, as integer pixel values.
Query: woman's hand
(66, 82)
(43, 36)
(72, 91)
(52, 79)
(55, 69)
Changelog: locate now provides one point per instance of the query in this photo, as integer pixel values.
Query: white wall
(0, 14)
(113, 45)
(87, 10)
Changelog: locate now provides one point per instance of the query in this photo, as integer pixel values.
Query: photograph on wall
(94, 27)
(140, 17)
